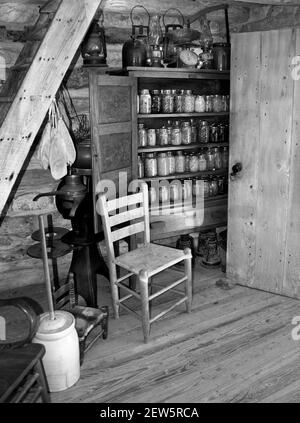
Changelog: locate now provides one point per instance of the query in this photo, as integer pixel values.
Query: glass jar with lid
(214, 132)
(153, 195)
(209, 103)
(179, 162)
(155, 101)
(221, 185)
(145, 102)
(163, 136)
(178, 101)
(187, 189)
(210, 158)
(217, 103)
(169, 131)
(218, 158)
(142, 135)
(203, 133)
(150, 165)
(188, 102)
(225, 157)
(200, 103)
(221, 131)
(162, 164)
(176, 134)
(194, 131)
(151, 137)
(141, 166)
(202, 161)
(164, 193)
(175, 188)
(206, 187)
(224, 103)
(213, 187)
(194, 163)
(197, 187)
(187, 156)
(171, 162)
(186, 133)
(167, 102)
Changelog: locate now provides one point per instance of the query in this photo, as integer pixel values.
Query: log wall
(16, 17)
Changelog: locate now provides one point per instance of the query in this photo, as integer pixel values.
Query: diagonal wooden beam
(39, 87)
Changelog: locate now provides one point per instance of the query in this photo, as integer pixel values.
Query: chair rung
(130, 310)
(167, 288)
(182, 300)
(122, 278)
(126, 297)
(122, 286)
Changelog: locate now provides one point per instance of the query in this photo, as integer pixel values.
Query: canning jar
(210, 157)
(213, 187)
(155, 101)
(141, 168)
(193, 131)
(171, 162)
(203, 135)
(218, 158)
(202, 161)
(214, 132)
(224, 103)
(174, 191)
(150, 165)
(178, 101)
(194, 163)
(176, 134)
(152, 195)
(167, 102)
(145, 102)
(187, 189)
(151, 137)
(142, 135)
(162, 164)
(209, 103)
(221, 131)
(206, 188)
(169, 131)
(187, 156)
(163, 193)
(188, 102)
(197, 187)
(186, 133)
(221, 185)
(163, 136)
(217, 103)
(200, 103)
(179, 162)
(225, 157)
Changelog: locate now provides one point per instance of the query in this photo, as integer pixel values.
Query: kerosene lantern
(93, 47)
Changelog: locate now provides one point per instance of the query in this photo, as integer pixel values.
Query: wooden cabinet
(113, 152)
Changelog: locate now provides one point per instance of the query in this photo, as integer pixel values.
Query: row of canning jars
(183, 133)
(180, 101)
(168, 163)
(188, 188)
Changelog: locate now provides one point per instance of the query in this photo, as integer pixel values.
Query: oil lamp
(93, 48)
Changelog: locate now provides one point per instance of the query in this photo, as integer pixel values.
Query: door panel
(263, 197)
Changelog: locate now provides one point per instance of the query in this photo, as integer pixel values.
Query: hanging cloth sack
(62, 150)
(43, 151)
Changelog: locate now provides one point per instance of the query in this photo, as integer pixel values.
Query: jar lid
(145, 91)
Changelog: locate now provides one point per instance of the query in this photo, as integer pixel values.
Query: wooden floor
(235, 346)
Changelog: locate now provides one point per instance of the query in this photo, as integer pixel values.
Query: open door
(263, 249)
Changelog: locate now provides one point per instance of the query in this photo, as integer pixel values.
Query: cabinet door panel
(114, 131)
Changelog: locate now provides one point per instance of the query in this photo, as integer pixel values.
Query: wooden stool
(22, 376)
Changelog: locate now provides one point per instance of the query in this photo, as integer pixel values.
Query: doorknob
(236, 168)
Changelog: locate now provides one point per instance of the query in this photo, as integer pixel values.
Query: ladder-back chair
(144, 262)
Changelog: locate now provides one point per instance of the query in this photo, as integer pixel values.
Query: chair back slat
(121, 202)
(126, 216)
(128, 231)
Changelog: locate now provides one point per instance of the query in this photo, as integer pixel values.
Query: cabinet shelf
(181, 147)
(187, 175)
(188, 205)
(180, 115)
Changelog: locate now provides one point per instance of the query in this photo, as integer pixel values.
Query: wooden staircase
(34, 80)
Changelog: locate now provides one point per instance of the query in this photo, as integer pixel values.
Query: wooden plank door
(264, 197)
(113, 104)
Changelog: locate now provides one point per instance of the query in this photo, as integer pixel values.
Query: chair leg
(188, 283)
(143, 282)
(114, 290)
(104, 323)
